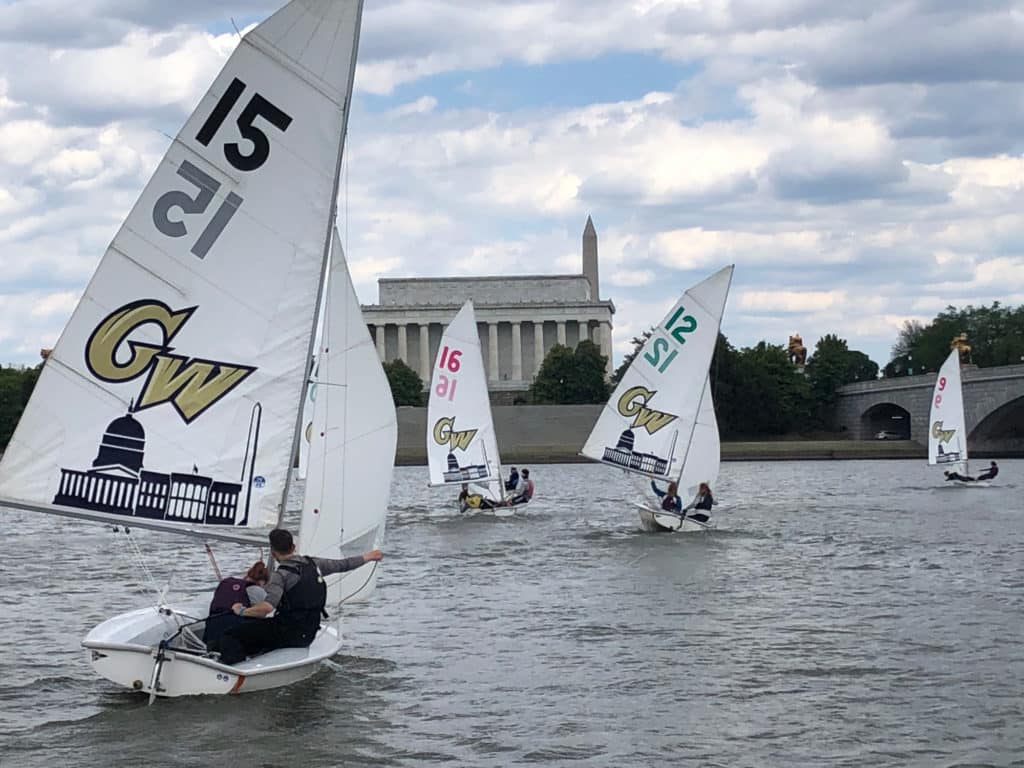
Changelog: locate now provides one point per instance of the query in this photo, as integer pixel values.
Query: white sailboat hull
(974, 484)
(659, 521)
(124, 650)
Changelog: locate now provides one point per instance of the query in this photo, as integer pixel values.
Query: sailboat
(173, 398)
(947, 433)
(659, 423)
(462, 447)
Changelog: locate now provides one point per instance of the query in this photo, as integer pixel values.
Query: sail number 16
(678, 326)
(448, 361)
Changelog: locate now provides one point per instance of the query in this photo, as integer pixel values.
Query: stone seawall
(548, 434)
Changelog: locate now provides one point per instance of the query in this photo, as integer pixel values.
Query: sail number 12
(678, 326)
(448, 361)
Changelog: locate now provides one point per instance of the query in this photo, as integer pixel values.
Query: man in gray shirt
(296, 593)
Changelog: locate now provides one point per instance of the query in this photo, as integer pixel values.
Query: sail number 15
(448, 361)
(206, 186)
(678, 326)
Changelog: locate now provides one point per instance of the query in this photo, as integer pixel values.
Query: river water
(842, 614)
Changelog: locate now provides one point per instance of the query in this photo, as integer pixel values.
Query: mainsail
(947, 432)
(461, 444)
(173, 395)
(353, 439)
(656, 410)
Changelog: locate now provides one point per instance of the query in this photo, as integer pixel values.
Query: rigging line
(373, 570)
(135, 554)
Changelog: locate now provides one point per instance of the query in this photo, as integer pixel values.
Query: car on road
(888, 434)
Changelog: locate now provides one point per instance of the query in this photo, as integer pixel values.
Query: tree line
(758, 391)
(995, 335)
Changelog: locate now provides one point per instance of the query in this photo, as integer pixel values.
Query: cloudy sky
(860, 162)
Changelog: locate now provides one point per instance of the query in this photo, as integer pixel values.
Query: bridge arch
(885, 417)
(1002, 430)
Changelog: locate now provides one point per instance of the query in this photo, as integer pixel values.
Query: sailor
(513, 480)
(670, 501)
(991, 472)
(958, 476)
(525, 490)
(469, 500)
(702, 503)
(296, 593)
(249, 590)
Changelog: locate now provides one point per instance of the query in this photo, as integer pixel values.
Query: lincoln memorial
(519, 319)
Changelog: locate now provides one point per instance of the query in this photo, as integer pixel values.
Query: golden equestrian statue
(960, 344)
(797, 350)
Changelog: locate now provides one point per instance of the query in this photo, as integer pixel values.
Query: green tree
(757, 391)
(771, 397)
(569, 377)
(832, 365)
(638, 344)
(406, 384)
(995, 334)
(16, 385)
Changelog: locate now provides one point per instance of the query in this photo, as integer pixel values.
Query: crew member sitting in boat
(296, 593)
(958, 476)
(990, 473)
(525, 491)
(670, 501)
(469, 500)
(703, 503)
(513, 480)
(248, 590)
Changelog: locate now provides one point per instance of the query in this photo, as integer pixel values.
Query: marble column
(517, 351)
(492, 351)
(584, 330)
(403, 344)
(538, 346)
(605, 330)
(561, 332)
(379, 330)
(425, 353)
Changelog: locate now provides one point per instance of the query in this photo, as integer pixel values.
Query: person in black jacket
(296, 593)
(991, 472)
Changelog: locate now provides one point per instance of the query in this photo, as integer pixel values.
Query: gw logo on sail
(445, 434)
(940, 434)
(634, 403)
(191, 385)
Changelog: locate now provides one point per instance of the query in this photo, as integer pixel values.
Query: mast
(324, 267)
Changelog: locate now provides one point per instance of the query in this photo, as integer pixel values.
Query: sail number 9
(678, 326)
(448, 360)
(207, 186)
(942, 383)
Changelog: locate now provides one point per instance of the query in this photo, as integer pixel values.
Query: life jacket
(303, 605)
(668, 503)
(474, 500)
(528, 490)
(230, 591)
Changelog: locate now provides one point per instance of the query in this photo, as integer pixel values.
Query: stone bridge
(993, 406)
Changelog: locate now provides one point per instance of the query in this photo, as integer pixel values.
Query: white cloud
(854, 180)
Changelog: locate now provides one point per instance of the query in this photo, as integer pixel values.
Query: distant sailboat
(462, 447)
(660, 421)
(188, 357)
(947, 427)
